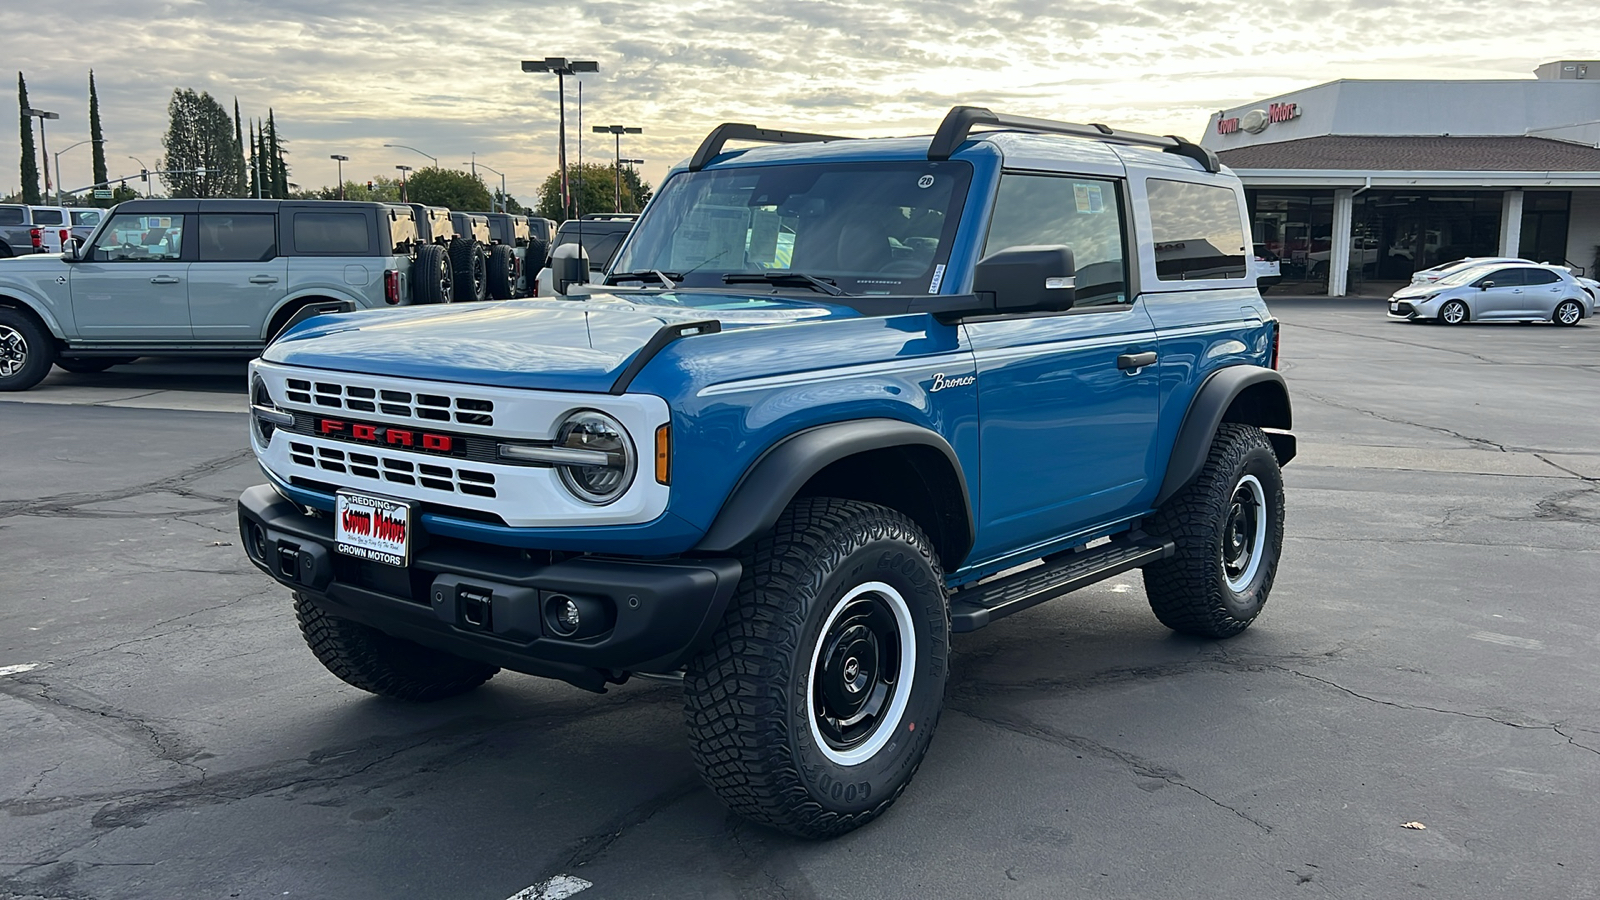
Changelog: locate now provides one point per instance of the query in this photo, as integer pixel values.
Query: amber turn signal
(664, 454)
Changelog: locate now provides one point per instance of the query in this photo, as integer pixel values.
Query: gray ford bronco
(207, 277)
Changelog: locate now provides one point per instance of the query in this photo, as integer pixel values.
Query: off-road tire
(538, 254)
(748, 698)
(382, 664)
(1190, 591)
(1567, 313)
(1449, 309)
(88, 365)
(502, 272)
(466, 261)
(26, 351)
(432, 280)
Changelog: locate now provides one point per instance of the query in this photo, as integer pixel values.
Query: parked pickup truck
(837, 400)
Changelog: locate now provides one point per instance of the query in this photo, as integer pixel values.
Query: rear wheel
(431, 279)
(382, 664)
(502, 272)
(466, 261)
(26, 351)
(1568, 312)
(1227, 526)
(1453, 312)
(819, 693)
(88, 365)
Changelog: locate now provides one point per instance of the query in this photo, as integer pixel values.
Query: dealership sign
(1256, 120)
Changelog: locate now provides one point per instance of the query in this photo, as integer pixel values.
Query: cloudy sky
(347, 76)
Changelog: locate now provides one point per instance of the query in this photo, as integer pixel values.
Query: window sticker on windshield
(938, 279)
(925, 181)
(1088, 198)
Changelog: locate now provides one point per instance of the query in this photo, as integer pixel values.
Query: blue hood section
(563, 345)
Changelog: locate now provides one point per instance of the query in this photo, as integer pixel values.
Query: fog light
(576, 617)
(565, 617)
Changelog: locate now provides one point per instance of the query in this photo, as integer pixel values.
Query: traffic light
(369, 184)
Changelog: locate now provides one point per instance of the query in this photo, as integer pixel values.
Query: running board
(976, 607)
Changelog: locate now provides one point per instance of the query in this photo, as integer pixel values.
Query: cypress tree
(280, 168)
(255, 161)
(96, 135)
(238, 140)
(30, 163)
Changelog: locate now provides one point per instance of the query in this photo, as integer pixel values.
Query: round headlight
(590, 430)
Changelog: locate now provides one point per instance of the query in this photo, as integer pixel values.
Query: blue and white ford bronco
(837, 399)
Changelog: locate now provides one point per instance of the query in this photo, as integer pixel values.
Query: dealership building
(1368, 181)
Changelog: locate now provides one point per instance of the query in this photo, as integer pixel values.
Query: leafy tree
(119, 194)
(30, 163)
(451, 188)
(97, 137)
(200, 136)
(593, 191)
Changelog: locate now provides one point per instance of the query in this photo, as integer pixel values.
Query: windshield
(1465, 275)
(600, 241)
(870, 228)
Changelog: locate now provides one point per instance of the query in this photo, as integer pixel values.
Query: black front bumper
(490, 603)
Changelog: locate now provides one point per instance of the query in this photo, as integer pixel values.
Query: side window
(11, 215)
(1197, 230)
(241, 238)
(1082, 213)
(402, 230)
(1540, 276)
(331, 234)
(86, 217)
(1506, 277)
(48, 217)
(133, 238)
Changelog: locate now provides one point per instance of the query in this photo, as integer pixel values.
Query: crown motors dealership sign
(1256, 120)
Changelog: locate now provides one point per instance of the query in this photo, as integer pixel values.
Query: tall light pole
(475, 164)
(342, 160)
(630, 163)
(44, 148)
(403, 171)
(58, 163)
(562, 67)
(415, 150)
(618, 131)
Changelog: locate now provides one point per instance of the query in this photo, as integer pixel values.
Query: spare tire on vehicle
(502, 272)
(431, 278)
(537, 256)
(466, 260)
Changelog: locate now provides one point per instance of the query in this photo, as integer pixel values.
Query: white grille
(403, 404)
(381, 467)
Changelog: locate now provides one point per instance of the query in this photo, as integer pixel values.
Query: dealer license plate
(373, 528)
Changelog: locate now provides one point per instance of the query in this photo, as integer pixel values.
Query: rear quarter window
(48, 217)
(332, 234)
(12, 215)
(1197, 229)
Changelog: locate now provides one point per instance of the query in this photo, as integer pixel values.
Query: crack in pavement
(1350, 407)
(60, 504)
(1083, 744)
(1389, 340)
(592, 846)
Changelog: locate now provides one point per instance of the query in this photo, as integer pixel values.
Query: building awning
(1469, 162)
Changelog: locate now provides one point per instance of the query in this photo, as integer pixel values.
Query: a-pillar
(1510, 223)
(1339, 256)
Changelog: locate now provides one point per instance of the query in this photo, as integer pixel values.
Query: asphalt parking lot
(1431, 654)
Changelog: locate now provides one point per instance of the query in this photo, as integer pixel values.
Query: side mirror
(1028, 279)
(1485, 285)
(75, 252)
(569, 265)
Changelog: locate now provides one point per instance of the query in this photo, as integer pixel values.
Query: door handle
(1131, 361)
(165, 279)
(263, 279)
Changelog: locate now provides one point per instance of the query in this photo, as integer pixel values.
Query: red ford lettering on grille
(364, 432)
(437, 442)
(399, 436)
(330, 426)
(393, 437)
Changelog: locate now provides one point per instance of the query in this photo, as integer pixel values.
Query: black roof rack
(736, 131)
(959, 122)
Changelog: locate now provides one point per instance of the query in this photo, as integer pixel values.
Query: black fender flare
(776, 477)
(1267, 406)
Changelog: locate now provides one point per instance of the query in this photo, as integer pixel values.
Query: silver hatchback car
(1521, 292)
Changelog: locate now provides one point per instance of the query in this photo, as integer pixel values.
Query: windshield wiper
(785, 279)
(669, 280)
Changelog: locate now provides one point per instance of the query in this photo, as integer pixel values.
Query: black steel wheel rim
(1239, 536)
(856, 672)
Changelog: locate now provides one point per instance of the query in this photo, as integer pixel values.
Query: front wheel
(1453, 313)
(383, 664)
(1568, 312)
(819, 693)
(26, 351)
(1227, 526)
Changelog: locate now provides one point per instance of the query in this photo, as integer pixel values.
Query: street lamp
(618, 131)
(342, 160)
(562, 67)
(44, 148)
(403, 171)
(58, 163)
(415, 150)
(475, 165)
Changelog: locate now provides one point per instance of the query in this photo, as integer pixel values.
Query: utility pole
(342, 160)
(44, 148)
